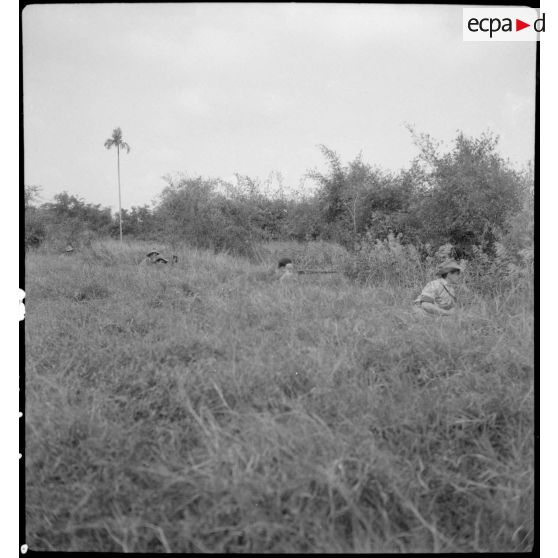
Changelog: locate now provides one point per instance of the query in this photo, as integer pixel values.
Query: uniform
(439, 292)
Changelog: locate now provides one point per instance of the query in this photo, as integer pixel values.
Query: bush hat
(448, 266)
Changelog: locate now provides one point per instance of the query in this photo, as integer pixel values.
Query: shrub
(387, 262)
(35, 231)
(313, 255)
(470, 193)
(192, 211)
(495, 274)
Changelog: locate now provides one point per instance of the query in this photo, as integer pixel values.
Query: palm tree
(117, 141)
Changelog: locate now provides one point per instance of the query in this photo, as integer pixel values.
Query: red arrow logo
(519, 25)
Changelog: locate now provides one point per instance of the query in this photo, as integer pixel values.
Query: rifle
(309, 271)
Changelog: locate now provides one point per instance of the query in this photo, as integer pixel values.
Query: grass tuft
(206, 407)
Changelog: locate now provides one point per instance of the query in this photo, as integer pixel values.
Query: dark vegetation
(468, 196)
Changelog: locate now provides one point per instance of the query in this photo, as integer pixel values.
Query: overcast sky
(220, 89)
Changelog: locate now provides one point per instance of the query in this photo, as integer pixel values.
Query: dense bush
(389, 262)
(192, 210)
(68, 219)
(350, 198)
(35, 230)
(470, 194)
(386, 262)
(469, 197)
(137, 222)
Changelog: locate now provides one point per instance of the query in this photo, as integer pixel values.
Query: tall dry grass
(204, 407)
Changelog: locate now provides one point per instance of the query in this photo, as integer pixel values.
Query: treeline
(468, 197)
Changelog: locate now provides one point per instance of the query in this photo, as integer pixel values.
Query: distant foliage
(68, 219)
(302, 220)
(386, 262)
(467, 197)
(35, 229)
(305, 255)
(470, 193)
(493, 274)
(137, 222)
(356, 198)
(390, 262)
(191, 210)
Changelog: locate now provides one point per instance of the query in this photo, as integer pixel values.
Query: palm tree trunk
(354, 215)
(119, 197)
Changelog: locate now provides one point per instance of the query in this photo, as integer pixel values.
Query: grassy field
(205, 407)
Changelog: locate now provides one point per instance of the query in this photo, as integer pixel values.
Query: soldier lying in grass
(285, 269)
(438, 297)
(155, 257)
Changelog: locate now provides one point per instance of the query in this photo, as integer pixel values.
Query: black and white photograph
(280, 277)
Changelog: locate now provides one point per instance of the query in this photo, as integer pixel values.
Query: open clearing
(203, 407)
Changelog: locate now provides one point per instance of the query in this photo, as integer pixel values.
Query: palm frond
(116, 140)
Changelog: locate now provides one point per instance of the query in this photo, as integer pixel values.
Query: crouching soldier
(438, 297)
